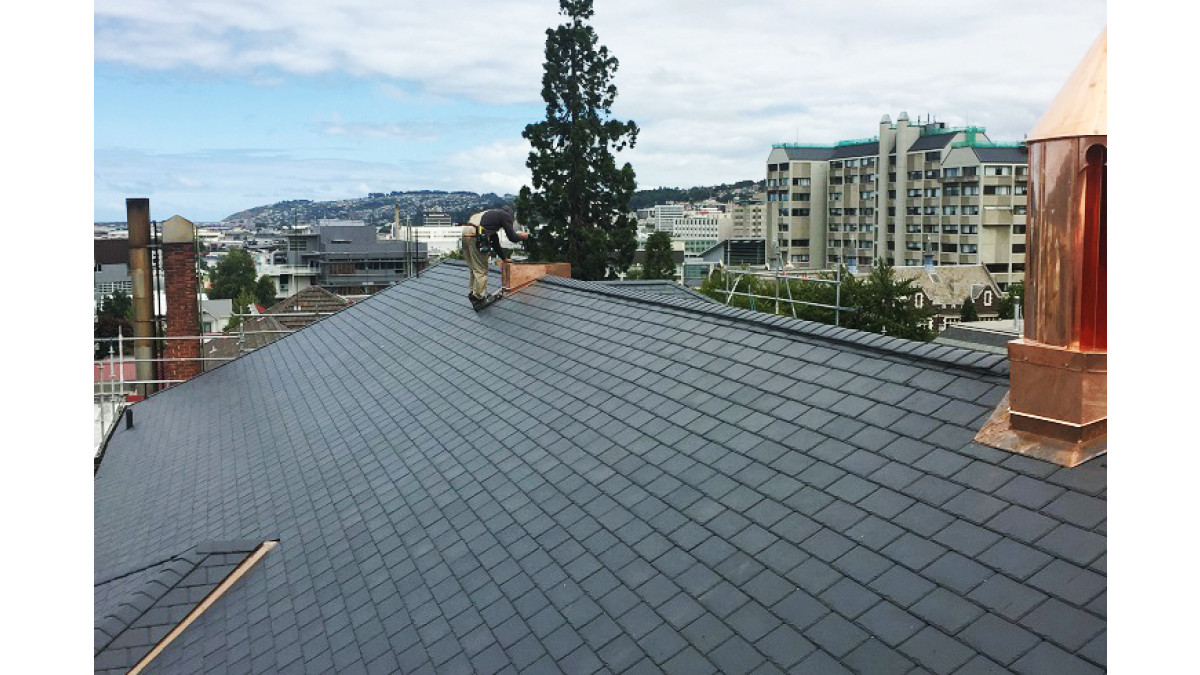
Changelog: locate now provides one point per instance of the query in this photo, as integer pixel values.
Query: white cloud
(712, 84)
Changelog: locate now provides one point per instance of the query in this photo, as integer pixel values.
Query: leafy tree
(579, 196)
(118, 305)
(883, 304)
(1006, 306)
(233, 275)
(264, 291)
(660, 261)
(114, 315)
(968, 311)
(241, 305)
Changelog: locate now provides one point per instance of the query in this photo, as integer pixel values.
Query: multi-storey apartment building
(916, 193)
(748, 216)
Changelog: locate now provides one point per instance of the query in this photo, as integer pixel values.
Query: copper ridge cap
(1081, 106)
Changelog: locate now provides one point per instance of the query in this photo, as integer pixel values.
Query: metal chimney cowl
(1057, 407)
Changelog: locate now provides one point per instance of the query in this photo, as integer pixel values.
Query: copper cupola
(1057, 407)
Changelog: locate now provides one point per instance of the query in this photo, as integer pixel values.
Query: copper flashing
(998, 432)
(516, 276)
(1081, 106)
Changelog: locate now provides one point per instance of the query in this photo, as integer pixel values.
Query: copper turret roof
(1081, 107)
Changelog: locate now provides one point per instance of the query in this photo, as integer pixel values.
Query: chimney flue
(137, 210)
(183, 307)
(1057, 407)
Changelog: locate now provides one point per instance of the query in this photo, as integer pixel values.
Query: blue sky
(212, 107)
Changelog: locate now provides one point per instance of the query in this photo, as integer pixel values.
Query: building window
(970, 248)
(997, 170)
(914, 175)
(970, 210)
(970, 229)
(952, 172)
(933, 156)
(987, 298)
(801, 196)
(802, 182)
(997, 190)
(949, 229)
(932, 173)
(1019, 210)
(1018, 248)
(1018, 229)
(933, 192)
(919, 300)
(800, 258)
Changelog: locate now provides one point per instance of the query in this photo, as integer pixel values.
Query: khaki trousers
(478, 264)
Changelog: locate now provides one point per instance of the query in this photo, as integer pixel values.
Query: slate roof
(1005, 155)
(809, 153)
(931, 142)
(856, 150)
(949, 285)
(656, 287)
(641, 484)
(258, 331)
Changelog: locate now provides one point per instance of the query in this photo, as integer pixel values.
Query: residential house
(945, 289)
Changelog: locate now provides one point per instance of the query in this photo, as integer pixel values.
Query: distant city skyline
(211, 108)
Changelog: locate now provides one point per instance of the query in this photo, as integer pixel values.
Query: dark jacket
(492, 221)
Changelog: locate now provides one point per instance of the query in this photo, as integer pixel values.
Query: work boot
(475, 302)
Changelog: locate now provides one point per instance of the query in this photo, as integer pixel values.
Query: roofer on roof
(482, 240)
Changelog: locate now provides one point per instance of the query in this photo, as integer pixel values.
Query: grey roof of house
(640, 483)
(931, 142)
(1018, 155)
(810, 153)
(869, 149)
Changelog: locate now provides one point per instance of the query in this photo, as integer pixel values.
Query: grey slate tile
(873, 656)
(1062, 624)
(1046, 658)
(835, 635)
(936, 651)
(1006, 597)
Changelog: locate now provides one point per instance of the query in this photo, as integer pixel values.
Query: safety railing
(783, 279)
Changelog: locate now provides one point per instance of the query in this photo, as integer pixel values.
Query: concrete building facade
(914, 194)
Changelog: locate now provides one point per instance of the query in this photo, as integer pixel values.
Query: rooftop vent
(1057, 406)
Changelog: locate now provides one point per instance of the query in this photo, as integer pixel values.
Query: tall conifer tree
(580, 198)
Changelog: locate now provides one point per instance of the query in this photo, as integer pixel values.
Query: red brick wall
(183, 311)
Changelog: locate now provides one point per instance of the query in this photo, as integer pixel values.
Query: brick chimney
(183, 307)
(516, 276)
(1057, 407)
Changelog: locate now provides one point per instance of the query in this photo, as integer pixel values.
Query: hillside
(377, 208)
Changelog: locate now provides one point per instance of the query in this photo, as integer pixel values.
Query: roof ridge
(922, 351)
